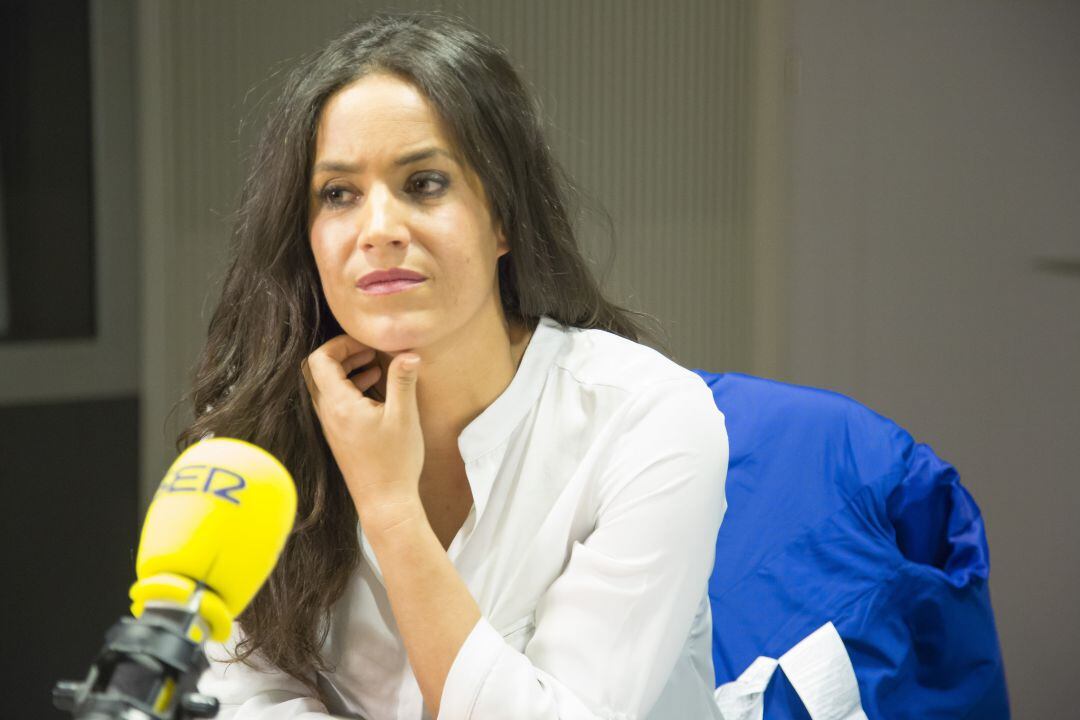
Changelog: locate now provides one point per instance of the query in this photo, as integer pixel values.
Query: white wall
(935, 201)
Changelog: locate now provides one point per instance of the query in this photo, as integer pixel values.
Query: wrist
(391, 515)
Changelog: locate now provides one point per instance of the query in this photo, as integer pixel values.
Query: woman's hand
(379, 447)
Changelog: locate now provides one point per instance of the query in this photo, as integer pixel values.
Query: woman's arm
(380, 452)
(434, 610)
(610, 628)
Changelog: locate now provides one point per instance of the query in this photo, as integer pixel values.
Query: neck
(461, 375)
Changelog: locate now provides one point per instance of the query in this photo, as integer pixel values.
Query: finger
(401, 381)
(358, 360)
(325, 365)
(312, 389)
(341, 347)
(332, 356)
(366, 378)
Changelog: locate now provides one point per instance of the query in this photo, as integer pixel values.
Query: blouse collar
(484, 441)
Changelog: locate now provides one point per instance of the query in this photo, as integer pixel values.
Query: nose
(383, 223)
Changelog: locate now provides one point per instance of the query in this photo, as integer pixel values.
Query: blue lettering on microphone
(216, 481)
(180, 477)
(221, 491)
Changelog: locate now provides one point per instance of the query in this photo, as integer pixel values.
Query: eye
(336, 196)
(428, 184)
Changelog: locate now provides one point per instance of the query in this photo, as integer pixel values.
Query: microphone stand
(147, 670)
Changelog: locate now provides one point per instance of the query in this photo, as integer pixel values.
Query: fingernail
(410, 362)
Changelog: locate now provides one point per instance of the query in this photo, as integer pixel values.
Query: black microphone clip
(147, 670)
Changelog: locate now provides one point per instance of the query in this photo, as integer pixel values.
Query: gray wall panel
(936, 199)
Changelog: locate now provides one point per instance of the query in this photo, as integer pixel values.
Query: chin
(391, 334)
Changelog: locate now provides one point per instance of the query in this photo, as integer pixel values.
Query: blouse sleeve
(609, 630)
(258, 691)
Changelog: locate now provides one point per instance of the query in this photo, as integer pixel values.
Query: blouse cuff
(471, 667)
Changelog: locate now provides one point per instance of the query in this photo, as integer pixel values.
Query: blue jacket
(835, 514)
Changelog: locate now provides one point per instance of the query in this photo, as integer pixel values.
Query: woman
(507, 504)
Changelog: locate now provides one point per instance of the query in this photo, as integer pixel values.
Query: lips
(384, 282)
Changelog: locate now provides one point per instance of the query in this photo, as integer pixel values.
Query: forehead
(376, 115)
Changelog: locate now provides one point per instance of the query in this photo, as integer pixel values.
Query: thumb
(401, 386)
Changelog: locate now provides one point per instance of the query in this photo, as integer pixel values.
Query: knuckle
(336, 412)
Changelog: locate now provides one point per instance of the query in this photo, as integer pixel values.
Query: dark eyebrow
(336, 166)
(422, 155)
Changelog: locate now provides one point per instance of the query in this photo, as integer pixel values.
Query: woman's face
(389, 191)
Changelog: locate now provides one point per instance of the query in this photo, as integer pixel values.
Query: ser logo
(206, 479)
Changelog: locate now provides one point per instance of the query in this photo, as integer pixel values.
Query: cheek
(467, 243)
(467, 266)
(326, 249)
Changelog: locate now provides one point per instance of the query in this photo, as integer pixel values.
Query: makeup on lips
(386, 282)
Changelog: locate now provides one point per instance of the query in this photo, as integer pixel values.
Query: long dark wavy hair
(272, 312)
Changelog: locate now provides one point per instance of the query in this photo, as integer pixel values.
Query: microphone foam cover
(220, 517)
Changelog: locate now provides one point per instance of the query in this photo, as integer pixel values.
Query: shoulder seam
(649, 386)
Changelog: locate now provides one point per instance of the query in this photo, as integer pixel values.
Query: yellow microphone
(214, 531)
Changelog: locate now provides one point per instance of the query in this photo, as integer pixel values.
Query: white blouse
(598, 489)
